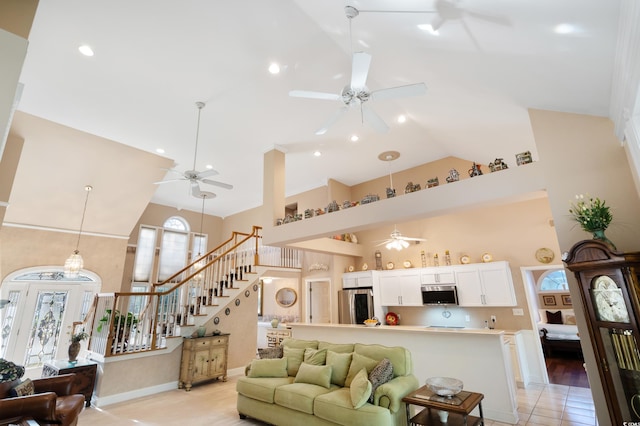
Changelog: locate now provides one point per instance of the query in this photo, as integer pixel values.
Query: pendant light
(74, 263)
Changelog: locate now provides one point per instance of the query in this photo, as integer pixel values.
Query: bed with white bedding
(559, 337)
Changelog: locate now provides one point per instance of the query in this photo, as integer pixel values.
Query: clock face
(608, 300)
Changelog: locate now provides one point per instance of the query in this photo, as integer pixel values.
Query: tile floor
(214, 404)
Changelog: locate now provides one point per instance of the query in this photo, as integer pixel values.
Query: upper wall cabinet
(437, 275)
(400, 288)
(357, 279)
(485, 284)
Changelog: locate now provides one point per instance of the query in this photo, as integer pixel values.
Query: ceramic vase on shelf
(202, 330)
(275, 322)
(598, 234)
(74, 350)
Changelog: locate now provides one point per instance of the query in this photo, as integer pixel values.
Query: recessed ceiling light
(564, 29)
(86, 50)
(402, 118)
(354, 138)
(274, 68)
(317, 153)
(429, 28)
(209, 166)
(160, 151)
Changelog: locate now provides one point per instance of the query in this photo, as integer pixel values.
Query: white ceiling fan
(356, 93)
(195, 177)
(398, 241)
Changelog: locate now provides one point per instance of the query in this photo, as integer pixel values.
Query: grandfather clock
(609, 291)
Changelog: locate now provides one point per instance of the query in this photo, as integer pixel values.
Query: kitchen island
(479, 357)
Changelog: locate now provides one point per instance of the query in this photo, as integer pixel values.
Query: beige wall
(16, 16)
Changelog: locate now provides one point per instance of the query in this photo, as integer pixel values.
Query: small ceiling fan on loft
(398, 241)
(357, 94)
(194, 177)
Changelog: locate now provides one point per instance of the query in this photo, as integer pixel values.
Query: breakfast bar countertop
(410, 328)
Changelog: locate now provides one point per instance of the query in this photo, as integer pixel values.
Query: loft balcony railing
(133, 322)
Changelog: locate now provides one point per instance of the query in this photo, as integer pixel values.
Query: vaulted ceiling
(489, 62)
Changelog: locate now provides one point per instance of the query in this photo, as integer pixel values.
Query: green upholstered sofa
(278, 397)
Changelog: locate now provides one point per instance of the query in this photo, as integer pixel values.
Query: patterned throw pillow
(270, 353)
(381, 373)
(24, 388)
(10, 371)
(554, 317)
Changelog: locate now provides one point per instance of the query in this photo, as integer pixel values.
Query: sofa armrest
(61, 385)
(41, 406)
(389, 395)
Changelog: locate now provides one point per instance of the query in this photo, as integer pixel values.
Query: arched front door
(37, 322)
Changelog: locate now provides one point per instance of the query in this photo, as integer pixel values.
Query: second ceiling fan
(357, 94)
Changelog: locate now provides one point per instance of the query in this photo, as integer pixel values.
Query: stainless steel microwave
(439, 294)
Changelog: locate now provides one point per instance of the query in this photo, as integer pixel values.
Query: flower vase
(201, 331)
(598, 234)
(74, 350)
(274, 323)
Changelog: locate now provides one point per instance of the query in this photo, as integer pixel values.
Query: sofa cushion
(294, 359)
(315, 356)
(336, 407)
(339, 366)
(276, 367)
(314, 374)
(554, 317)
(381, 373)
(299, 343)
(399, 357)
(22, 389)
(299, 396)
(270, 353)
(341, 348)
(360, 389)
(358, 362)
(262, 389)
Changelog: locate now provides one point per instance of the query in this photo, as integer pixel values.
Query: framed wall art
(549, 300)
(566, 300)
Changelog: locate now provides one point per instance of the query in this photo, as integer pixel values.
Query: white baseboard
(138, 393)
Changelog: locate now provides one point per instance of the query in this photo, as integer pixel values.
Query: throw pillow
(10, 371)
(339, 366)
(290, 342)
(294, 359)
(314, 374)
(570, 319)
(315, 356)
(360, 389)
(358, 362)
(381, 373)
(24, 388)
(554, 317)
(276, 367)
(270, 353)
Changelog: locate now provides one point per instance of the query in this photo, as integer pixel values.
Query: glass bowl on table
(444, 386)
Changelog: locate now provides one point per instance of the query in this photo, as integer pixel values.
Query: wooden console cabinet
(275, 336)
(84, 370)
(203, 358)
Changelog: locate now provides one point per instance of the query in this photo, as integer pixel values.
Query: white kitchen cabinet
(437, 275)
(400, 288)
(485, 284)
(357, 279)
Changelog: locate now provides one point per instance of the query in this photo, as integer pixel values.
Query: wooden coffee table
(458, 407)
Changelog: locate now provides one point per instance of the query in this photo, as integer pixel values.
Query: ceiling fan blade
(168, 181)
(360, 69)
(216, 183)
(494, 19)
(322, 130)
(370, 117)
(314, 95)
(412, 239)
(437, 23)
(207, 173)
(400, 91)
(471, 36)
(383, 243)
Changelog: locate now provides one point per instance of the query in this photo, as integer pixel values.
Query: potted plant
(74, 347)
(593, 215)
(124, 322)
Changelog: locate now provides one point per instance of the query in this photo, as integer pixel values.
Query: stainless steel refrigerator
(355, 305)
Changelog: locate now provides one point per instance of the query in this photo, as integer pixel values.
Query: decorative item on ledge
(411, 187)
(593, 215)
(433, 182)
(370, 198)
(497, 165)
(391, 192)
(523, 158)
(475, 170)
(318, 267)
(454, 176)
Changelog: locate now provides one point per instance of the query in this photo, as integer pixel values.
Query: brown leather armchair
(53, 402)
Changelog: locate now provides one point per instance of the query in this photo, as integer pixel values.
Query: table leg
(408, 411)
(481, 415)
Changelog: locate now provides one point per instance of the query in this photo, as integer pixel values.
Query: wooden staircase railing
(134, 322)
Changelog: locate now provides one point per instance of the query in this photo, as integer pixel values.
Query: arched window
(176, 223)
(554, 280)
